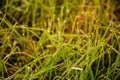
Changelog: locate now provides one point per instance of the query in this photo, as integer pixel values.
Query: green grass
(59, 40)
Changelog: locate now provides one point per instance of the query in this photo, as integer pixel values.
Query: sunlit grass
(54, 40)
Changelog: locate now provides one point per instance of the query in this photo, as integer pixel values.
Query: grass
(59, 40)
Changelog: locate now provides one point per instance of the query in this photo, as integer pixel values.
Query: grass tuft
(59, 40)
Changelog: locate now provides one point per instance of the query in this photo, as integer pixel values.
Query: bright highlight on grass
(59, 40)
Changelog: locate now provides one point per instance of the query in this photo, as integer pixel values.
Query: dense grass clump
(59, 40)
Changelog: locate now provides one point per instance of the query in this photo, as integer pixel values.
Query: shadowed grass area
(59, 40)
